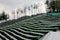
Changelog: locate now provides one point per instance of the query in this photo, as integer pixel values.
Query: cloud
(12, 4)
(2, 7)
(15, 3)
(9, 5)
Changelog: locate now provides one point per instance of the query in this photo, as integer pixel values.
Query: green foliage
(17, 20)
(58, 5)
(54, 5)
(47, 2)
(36, 26)
(4, 16)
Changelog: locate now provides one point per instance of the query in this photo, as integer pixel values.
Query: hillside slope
(30, 29)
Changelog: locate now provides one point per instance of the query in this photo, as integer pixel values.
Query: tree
(58, 6)
(29, 10)
(54, 5)
(47, 2)
(34, 6)
(25, 10)
(21, 12)
(17, 13)
(4, 16)
(13, 14)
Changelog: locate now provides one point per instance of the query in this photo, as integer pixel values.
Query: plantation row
(24, 33)
(29, 29)
(9, 22)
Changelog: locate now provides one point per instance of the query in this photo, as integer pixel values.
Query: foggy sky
(12, 4)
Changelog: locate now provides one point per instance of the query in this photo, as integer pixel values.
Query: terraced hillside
(29, 29)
